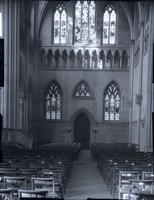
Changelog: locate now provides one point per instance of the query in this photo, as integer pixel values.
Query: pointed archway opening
(82, 131)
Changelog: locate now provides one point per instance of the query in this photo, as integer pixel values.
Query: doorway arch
(80, 133)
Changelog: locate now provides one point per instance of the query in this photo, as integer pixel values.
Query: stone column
(11, 62)
(149, 131)
(131, 80)
(21, 110)
(139, 95)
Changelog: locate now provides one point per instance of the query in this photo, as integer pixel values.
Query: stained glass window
(109, 25)
(112, 103)
(85, 22)
(53, 102)
(82, 90)
(60, 25)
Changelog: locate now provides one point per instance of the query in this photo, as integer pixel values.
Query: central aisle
(85, 180)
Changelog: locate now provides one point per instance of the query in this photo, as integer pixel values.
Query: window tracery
(112, 103)
(53, 102)
(82, 90)
(109, 25)
(85, 22)
(60, 17)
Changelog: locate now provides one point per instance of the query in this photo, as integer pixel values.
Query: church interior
(77, 99)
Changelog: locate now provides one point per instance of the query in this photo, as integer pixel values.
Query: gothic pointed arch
(86, 60)
(72, 59)
(82, 111)
(129, 16)
(50, 58)
(137, 21)
(101, 60)
(60, 24)
(79, 60)
(109, 60)
(53, 101)
(57, 58)
(94, 60)
(112, 99)
(116, 60)
(124, 59)
(109, 24)
(64, 59)
(82, 90)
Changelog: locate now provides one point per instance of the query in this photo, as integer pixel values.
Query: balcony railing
(84, 58)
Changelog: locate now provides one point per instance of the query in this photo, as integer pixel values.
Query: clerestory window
(109, 25)
(60, 21)
(85, 22)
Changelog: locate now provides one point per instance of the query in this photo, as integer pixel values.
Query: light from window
(82, 90)
(85, 22)
(53, 102)
(109, 25)
(1, 29)
(60, 25)
(112, 103)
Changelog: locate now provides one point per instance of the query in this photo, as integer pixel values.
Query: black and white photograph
(76, 99)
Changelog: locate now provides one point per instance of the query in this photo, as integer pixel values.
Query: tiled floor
(85, 180)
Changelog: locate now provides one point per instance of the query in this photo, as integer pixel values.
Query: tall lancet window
(53, 102)
(85, 22)
(112, 103)
(60, 18)
(109, 25)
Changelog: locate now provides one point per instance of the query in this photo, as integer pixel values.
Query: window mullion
(88, 22)
(114, 106)
(51, 107)
(109, 29)
(81, 23)
(60, 29)
(55, 107)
